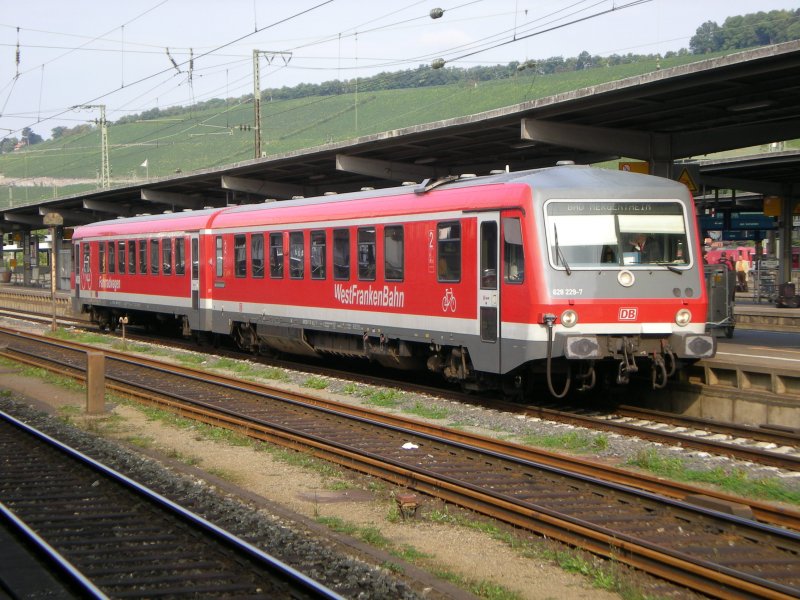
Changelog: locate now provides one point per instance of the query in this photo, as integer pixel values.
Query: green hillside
(220, 136)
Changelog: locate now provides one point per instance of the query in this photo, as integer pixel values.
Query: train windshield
(589, 234)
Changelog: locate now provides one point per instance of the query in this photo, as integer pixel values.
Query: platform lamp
(53, 220)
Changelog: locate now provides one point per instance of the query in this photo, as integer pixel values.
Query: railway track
(107, 536)
(631, 520)
(769, 446)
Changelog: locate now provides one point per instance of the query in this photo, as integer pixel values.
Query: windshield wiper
(559, 253)
(671, 267)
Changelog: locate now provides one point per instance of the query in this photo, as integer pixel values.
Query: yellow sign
(635, 167)
(772, 206)
(687, 180)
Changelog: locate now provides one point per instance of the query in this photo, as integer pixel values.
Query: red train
(561, 274)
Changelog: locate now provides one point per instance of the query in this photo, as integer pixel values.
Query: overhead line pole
(257, 92)
(105, 164)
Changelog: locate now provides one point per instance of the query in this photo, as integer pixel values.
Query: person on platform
(742, 267)
(726, 260)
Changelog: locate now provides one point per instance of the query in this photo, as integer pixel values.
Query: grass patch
(315, 383)
(603, 574)
(225, 474)
(382, 398)
(428, 412)
(574, 441)
(140, 441)
(735, 481)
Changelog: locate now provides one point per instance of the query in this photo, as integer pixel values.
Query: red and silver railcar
(491, 281)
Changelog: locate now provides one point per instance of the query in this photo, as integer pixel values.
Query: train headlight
(683, 317)
(569, 318)
(625, 278)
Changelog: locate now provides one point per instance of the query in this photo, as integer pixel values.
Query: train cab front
(626, 286)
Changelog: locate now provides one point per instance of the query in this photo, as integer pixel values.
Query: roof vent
(409, 183)
(297, 197)
(329, 194)
(497, 171)
(467, 176)
(564, 163)
(367, 189)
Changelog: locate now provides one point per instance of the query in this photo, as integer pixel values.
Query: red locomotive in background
(560, 274)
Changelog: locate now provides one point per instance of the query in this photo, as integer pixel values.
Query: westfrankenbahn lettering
(354, 295)
(106, 283)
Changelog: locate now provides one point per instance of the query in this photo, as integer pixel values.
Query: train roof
(507, 189)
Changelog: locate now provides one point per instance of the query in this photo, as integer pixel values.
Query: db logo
(628, 314)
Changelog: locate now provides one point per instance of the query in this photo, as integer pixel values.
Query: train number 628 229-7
(567, 291)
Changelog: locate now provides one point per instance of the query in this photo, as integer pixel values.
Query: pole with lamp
(53, 220)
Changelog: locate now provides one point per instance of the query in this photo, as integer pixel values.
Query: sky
(134, 56)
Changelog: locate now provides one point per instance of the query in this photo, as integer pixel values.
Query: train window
(143, 257)
(166, 256)
(132, 257)
(257, 255)
(121, 257)
(489, 255)
(366, 253)
(595, 233)
(240, 255)
(296, 255)
(513, 257)
(318, 255)
(219, 256)
(154, 257)
(180, 256)
(276, 255)
(195, 258)
(112, 257)
(393, 253)
(76, 258)
(86, 259)
(449, 251)
(101, 254)
(341, 254)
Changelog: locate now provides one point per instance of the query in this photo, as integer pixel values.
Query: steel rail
(65, 568)
(266, 561)
(690, 572)
(762, 511)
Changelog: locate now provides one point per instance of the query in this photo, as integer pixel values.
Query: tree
(707, 38)
(33, 138)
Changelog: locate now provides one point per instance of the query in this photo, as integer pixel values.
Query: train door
(488, 289)
(195, 262)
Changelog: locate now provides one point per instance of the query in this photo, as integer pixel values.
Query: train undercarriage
(576, 364)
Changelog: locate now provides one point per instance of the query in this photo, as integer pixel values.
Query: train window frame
(597, 233)
(297, 255)
(131, 257)
(121, 257)
(142, 257)
(513, 251)
(101, 257)
(166, 256)
(87, 258)
(112, 257)
(391, 242)
(341, 250)
(180, 256)
(366, 251)
(257, 256)
(318, 250)
(219, 261)
(154, 257)
(195, 258)
(277, 255)
(448, 252)
(240, 255)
